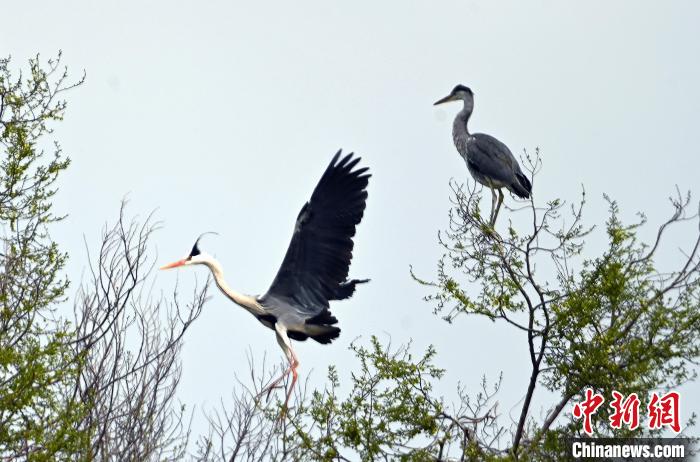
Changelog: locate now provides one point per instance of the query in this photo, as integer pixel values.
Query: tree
(610, 322)
(36, 363)
(388, 414)
(129, 342)
(100, 386)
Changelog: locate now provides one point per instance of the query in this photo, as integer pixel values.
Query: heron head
(195, 257)
(460, 92)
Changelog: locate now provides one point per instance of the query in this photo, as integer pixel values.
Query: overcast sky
(222, 115)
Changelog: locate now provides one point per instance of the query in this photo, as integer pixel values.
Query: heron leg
(294, 365)
(493, 207)
(275, 384)
(498, 207)
(286, 346)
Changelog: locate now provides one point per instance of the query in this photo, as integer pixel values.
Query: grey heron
(489, 161)
(315, 268)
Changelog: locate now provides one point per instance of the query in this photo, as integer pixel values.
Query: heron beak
(174, 264)
(446, 99)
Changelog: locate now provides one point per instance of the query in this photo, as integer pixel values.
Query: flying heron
(489, 161)
(315, 268)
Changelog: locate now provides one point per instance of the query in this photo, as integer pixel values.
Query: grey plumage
(489, 161)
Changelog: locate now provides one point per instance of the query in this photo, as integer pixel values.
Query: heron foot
(267, 391)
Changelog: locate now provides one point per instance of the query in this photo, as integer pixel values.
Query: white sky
(224, 114)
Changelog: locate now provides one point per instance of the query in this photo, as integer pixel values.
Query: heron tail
(521, 187)
(320, 329)
(331, 333)
(322, 334)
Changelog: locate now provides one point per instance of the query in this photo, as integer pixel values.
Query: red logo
(626, 411)
(587, 408)
(663, 411)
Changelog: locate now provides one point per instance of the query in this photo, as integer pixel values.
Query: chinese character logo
(587, 408)
(626, 411)
(663, 411)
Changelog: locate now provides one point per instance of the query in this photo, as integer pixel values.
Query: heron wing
(318, 258)
(492, 158)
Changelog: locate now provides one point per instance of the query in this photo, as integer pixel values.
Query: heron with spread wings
(314, 270)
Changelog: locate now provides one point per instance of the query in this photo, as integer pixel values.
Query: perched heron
(489, 161)
(315, 268)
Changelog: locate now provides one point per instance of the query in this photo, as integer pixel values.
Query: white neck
(242, 300)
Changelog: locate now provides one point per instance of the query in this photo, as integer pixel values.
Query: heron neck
(242, 300)
(460, 130)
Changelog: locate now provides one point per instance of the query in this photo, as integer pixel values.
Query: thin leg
(286, 346)
(498, 207)
(294, 378)
(275, 384)
(493, 206)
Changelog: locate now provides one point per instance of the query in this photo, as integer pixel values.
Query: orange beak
(174, 264)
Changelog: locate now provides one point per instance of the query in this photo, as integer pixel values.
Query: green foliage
(389, 406)
(388, 412)
(36, 362)
(623, 325)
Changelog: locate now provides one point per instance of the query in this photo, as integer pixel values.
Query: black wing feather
(523, 188)
(315, 268)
